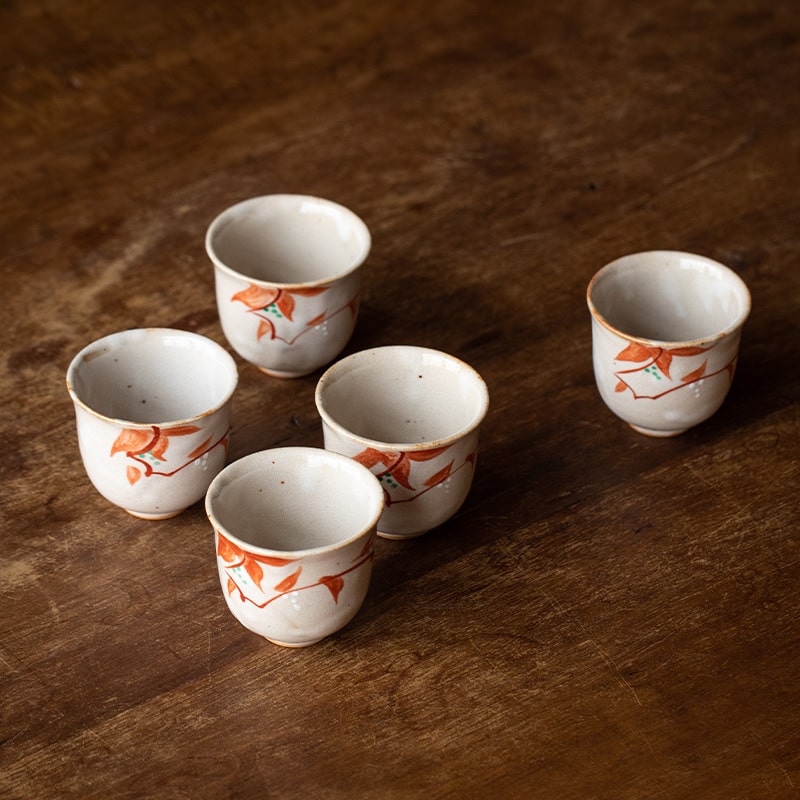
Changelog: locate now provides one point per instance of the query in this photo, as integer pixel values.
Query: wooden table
(608, 616)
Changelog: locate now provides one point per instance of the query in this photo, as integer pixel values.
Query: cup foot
(399, 536)
(157, 515)
(294, 645)
(277, 373)
(656, 434)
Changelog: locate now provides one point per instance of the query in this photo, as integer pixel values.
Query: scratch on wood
(611, 663)
(9, 739)
(734, 500)
(700, 166)
(528, 237)
(774, 761)
(620, 677)
(10, 666)
(556, 605)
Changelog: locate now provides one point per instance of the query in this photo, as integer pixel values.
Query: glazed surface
(608, 616)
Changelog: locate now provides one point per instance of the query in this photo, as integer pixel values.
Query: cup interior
(152, 376)
(402, 395)
(293, 498)
(288, 239)
(669, 297)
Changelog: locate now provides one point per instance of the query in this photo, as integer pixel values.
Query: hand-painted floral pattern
(243, 568)
(393, 469)
(147, 447)
(657, 364)
(270, 305)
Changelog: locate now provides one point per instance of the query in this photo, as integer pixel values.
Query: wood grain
(608, 616)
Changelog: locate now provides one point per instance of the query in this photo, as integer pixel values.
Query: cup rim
(735, 279)
(331, 373)
(230, 211)
(86, 351)
(239, 467)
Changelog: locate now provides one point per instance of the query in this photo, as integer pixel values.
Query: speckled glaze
(412, 415)
(288, 279)
(294, 532)
(666, 327)
(152, 409)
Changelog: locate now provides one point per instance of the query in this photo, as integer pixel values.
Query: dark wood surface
(608, 616)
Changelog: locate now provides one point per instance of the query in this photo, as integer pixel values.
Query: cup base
(294, 645)
(399, 536)
(656, 434)
(277, 373)
(157, 515)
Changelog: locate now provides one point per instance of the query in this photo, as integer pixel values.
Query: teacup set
(295, 526)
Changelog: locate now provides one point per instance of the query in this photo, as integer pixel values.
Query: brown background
(608, 616)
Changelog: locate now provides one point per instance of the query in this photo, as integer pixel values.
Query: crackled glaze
(288, 278)
(295, 530)
(666, 328)
(412, 415)
(152, 409)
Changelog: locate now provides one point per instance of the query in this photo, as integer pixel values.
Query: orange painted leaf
(289, 581)
(285, 303)
(133, 474)
(253, 569)
(181, 430)
(371, 457)
(159, 447)
(696, 374)
(132, 441)
(227, 550)
(440, 476)
(400, 472)
(272, 561)
(637, 352)
(471, 458)
(425, 455)
(621, 386)
(265, 327)
(353, 306)
(231, 585)
(316, 321)
(335, 584)
(663, 361)
(312, 291)
(200, 449)
(688, 351)
(255, 297)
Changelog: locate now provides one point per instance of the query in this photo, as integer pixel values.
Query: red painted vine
(271, 304)
(654, 359)
(253, 564)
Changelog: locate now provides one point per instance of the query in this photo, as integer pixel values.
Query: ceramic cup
(665, 337)
(411, 415)
(288, 278)
(152, 408)
(295, 528)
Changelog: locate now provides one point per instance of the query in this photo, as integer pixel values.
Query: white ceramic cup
(288, 279)
(666, 327)
(152, 409)
(412, 415)
(295, 529)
